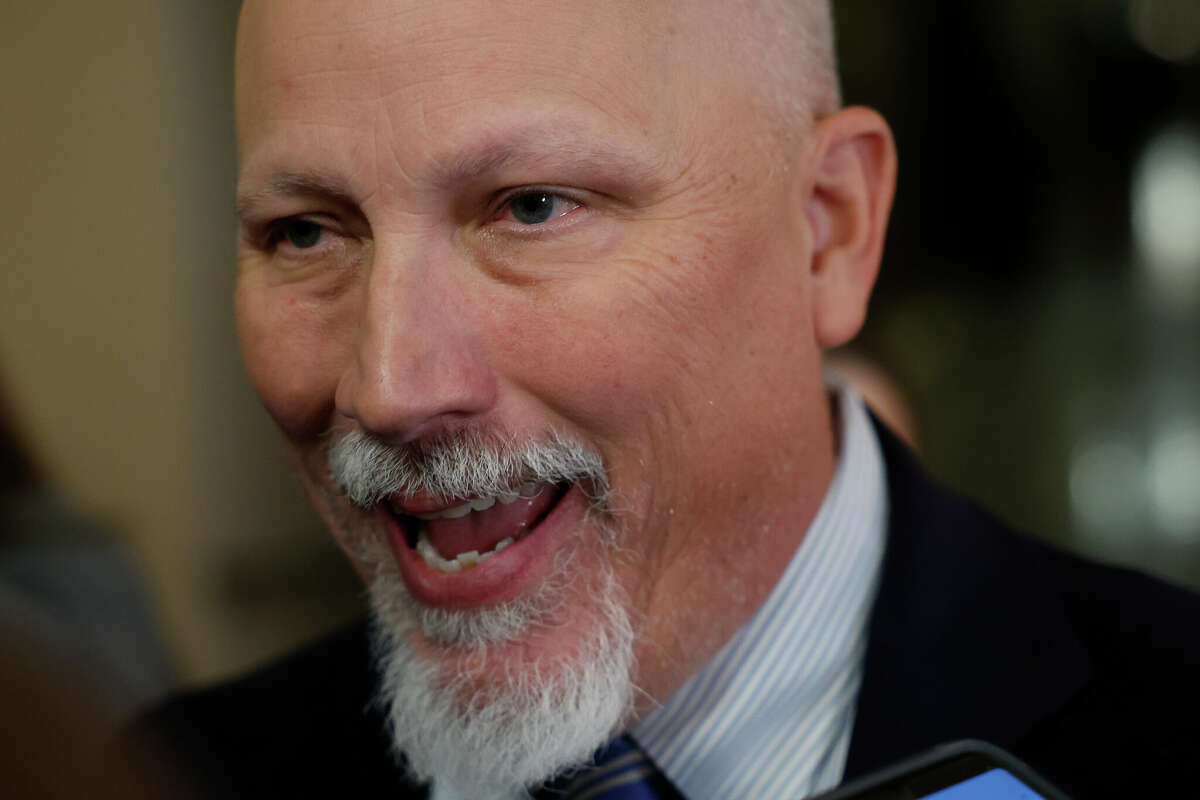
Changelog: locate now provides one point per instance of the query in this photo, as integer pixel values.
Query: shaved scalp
(786, 44)
(798, 49)
(790, 45)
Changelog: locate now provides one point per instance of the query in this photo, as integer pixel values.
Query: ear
(853, 177)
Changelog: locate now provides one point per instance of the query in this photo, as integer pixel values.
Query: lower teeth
(467, 560)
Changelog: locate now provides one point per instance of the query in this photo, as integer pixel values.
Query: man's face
(511, 223)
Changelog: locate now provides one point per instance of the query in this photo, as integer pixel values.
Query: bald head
(797, 54)
(780, 52)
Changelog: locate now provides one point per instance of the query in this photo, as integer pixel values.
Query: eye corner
(258, 235)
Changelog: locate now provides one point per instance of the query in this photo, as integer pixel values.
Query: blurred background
(1039, 304)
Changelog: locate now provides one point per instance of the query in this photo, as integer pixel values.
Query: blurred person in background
(65, 582)
(57, 724)
(539, 300)
(80, 651)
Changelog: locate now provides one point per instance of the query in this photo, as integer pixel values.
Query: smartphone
(965, 770)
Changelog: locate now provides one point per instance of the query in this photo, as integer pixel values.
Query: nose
(419, 367)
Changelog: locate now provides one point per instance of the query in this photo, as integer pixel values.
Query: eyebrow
(519, 150)
(291, 184)
(616, 167)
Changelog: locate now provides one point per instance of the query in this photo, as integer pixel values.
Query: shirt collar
(771, 714)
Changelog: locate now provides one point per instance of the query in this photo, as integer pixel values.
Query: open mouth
(462, 534)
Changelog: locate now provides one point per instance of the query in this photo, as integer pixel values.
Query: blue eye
(300, 233)
(533, 208)
(536, 207)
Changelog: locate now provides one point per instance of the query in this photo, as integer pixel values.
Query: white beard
(494, 733)
(530, 722)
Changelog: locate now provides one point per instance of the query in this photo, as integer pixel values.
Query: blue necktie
(621, 772)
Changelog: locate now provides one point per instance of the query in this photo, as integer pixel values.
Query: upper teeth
(481, 503)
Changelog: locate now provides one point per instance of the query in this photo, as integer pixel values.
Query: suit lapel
(968, 637)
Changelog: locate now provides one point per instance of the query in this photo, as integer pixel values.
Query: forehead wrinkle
(521, 137)
(444, 141)
(312, 20)
(271, 161)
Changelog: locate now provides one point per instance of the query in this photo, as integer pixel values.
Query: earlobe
(853, 177)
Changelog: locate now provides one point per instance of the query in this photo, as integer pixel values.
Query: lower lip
(508, 574)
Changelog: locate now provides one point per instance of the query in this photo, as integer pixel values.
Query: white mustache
(461, 465)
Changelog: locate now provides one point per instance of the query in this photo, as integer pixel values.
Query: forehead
(414, 80)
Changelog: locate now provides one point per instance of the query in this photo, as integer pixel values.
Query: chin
(491, 701)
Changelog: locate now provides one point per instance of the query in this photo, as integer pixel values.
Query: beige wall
(116, 341)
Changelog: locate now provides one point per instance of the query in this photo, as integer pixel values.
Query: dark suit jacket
(1090, 674)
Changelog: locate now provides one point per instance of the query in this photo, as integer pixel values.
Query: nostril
(407, 407)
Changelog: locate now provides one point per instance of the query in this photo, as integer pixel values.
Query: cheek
(655, 333)
(294, 353)
(687, 361)
(588, 351)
